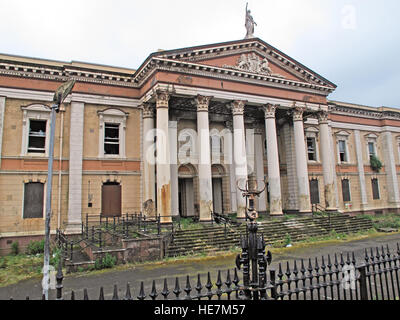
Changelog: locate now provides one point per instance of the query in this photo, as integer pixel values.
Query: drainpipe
(62, 110)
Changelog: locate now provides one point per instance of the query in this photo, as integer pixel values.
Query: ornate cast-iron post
(253, 258)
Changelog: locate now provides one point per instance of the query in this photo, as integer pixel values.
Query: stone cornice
(364, 112)
(162, 64)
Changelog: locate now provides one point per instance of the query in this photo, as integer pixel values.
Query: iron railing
(337, 277)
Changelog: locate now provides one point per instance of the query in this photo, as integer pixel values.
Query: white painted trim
(76, 97)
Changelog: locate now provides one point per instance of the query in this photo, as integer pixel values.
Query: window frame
(343, 136)
(312, 133)
(36, 112)
(115, 117)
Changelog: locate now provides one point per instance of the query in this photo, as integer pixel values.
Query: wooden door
(314, 191)
(217, 195)
(111, 200)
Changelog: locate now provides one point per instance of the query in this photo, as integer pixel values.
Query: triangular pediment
(247, 55)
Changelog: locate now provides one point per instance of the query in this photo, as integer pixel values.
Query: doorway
(186, 197)
(217, 195)
(111, 199)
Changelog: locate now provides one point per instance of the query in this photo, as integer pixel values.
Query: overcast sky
(353, 43)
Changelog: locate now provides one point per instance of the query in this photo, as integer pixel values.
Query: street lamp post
(62, 92)
(253, 258)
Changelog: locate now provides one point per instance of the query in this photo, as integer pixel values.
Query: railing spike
(141, 295)
(128, 295)
(72, 295)
(177, 291)
(85, 295)
(153, 295)
(188, 289)
(115, 294)
(101, 297)
(165, 292)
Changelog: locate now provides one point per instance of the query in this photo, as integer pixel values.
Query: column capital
(148, 111)
(202, 103)
(162, 99)
(270, 110)
(297, 112)
(323, 117)
(238, 107)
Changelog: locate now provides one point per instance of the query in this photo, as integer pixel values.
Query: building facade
(180, 133)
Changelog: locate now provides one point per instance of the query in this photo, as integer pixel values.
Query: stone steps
(213, 239)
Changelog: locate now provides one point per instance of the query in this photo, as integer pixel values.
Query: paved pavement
(181, 269)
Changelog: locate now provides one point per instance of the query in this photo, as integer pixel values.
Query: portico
(215, 131)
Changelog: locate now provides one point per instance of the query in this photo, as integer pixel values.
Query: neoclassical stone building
(177, 135)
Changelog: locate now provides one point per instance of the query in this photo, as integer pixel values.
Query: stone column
(173, 143)
(274, 175)
(2, 112)
(259, 167)
(75, 168)
(390, 169)
(205, 175)
(301, 161)
(149, 175)
(239, 155)
(361, 172)
(163, 158)
(228, 158)
(327, 155)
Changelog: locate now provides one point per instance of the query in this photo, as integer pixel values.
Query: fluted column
(163, 158)
(205, 175)
(327, 155)
(149, 177)
(274, 176)
(301, 160)
(239, 155)
(390, 168)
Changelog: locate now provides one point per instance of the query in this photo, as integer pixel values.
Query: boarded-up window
(111, 200)
(33, 200)
(346, 190)
(314, 191)
(375, 189)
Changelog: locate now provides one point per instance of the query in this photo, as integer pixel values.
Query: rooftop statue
(249, 23)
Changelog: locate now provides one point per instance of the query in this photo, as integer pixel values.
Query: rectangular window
(311, 148)
(111, 139)
(346, 190)
(371, 149)
(314, 191)
(375, 189)
(342, 151)
(37, 136)
(33, 200)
